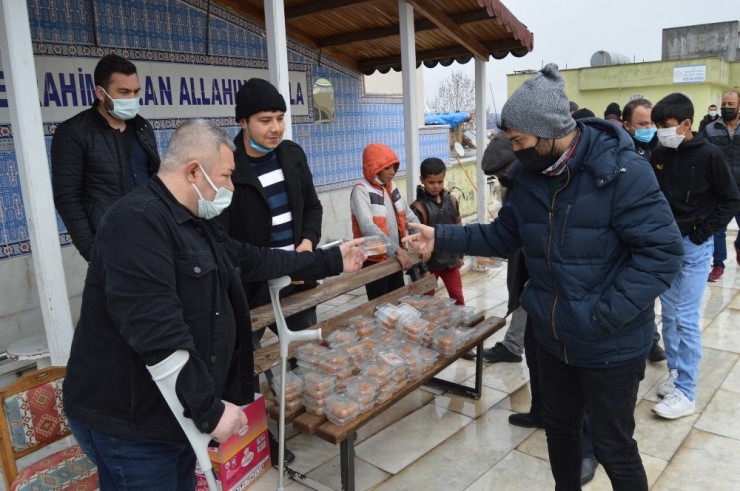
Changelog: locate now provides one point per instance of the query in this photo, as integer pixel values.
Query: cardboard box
(242, 459)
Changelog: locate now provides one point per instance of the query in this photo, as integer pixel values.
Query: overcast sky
(568, 32)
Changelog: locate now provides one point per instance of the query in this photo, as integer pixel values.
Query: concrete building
(701, 61)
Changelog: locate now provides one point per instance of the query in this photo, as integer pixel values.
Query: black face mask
(532, 160)
(728, 113)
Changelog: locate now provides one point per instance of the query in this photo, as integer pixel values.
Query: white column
(480, 139)
(277, 55)
(33, 168)
(410, 97)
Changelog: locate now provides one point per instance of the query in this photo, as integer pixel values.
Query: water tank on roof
(606, 58)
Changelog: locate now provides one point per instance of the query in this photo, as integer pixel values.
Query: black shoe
(656, 353)
(588, 469)
(524, 420)
(498, 353)
(275, 451)
(469, 355)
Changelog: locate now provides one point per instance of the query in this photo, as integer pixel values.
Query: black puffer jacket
(90, 170)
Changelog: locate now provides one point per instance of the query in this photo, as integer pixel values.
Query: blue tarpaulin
(452, 119)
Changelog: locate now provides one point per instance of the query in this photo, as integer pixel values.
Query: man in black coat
(102, 153)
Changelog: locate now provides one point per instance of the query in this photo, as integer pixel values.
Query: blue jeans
(134, 465)
(680, 312)
(720, 244)
(609, 396)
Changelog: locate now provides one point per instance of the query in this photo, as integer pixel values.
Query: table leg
(347, 461)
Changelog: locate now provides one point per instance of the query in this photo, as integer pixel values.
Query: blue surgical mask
(645, 135)
(256, 145)
(123, 109)
(222, 200)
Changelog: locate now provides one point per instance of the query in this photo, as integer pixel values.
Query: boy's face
(673, 123)
(433, 183)
(386, 175)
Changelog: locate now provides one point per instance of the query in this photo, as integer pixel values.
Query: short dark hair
(712, 106)
(629, 108)
(110, 64)
(584, 112)
(432, 165)
(613, 108)
(677, 106)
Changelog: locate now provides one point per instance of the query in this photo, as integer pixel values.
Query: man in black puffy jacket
(601, 244)
(101, 153)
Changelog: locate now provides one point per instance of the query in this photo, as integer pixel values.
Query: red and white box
(244, 458)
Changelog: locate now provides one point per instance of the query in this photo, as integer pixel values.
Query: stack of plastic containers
(293, 391)
(363, 390)
(342, 409)
(317, 389)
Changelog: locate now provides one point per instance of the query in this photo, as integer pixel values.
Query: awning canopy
(364, 34)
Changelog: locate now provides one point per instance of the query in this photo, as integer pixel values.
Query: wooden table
(269, 356)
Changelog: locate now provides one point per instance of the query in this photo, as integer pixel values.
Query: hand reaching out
(352, 256)
(422, 241)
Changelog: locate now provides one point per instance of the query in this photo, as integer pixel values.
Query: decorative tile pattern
(183, 32)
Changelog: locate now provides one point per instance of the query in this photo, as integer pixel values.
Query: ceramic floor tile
(506, 377)
(735, 302)
(713, 369)
(458, 371)
(657, 436)
(723, 333)
(715, 300)
(470, 407)
(269, 481)
(720, 415)
(535, 445)
(732, 381)
(405, 441)
(520, 401)
(407, 405)
(704, 462)
(366, 475)
(310, 452)
(516, 471)
(464, 457)
(655, 373)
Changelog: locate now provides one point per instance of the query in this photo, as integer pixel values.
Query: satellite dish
(459, 149)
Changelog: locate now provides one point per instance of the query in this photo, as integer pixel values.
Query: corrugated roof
(364, 34)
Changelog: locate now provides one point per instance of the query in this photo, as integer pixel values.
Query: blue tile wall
(175, 30)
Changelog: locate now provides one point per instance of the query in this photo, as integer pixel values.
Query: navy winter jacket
(599, 250)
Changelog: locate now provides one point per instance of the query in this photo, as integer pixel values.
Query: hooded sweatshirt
(379, 209)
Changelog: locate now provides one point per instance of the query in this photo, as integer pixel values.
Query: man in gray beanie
(601, 245)
(275, 203)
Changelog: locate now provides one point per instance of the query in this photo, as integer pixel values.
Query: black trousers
(609, 396)
(381, 286)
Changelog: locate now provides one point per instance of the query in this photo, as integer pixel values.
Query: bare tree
(456, 93)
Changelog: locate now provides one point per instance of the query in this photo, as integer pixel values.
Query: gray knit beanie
(539, 106)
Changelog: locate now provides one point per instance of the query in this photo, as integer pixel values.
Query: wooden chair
(31, 418)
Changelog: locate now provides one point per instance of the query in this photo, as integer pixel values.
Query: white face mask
(123, 109)
(222, 200)
(669, 138)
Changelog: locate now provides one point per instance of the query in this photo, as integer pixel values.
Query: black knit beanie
(257, 95)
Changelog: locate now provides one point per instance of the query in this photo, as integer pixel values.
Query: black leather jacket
(90, 170)
(162, 280)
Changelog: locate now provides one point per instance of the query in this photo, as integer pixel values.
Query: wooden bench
(269, 356)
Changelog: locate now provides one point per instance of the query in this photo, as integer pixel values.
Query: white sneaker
(668, 385)
(675, 405)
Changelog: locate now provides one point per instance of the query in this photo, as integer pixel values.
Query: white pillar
(410, 97)
(33, 167)
(480, 139)
(277, 55)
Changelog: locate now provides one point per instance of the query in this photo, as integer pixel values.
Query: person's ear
(191, 169)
